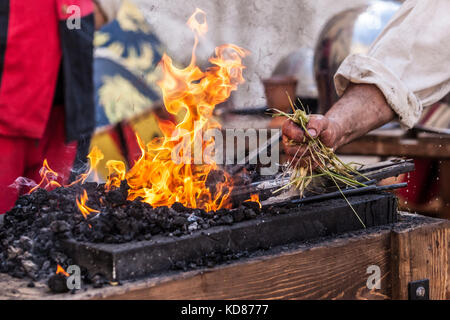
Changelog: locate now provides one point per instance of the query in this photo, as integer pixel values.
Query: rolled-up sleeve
(409, 61)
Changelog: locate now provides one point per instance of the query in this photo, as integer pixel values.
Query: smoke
(22, 182)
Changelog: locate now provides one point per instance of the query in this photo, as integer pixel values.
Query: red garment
(32, 60)
(422, 183)
(24, 157)
(30, 70)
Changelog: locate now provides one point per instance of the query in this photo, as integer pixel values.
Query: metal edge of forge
(138, 259)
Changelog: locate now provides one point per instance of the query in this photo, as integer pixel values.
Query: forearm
(361, 109)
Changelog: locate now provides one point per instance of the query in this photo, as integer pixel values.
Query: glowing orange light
(254, 198)
(95, 156)
(60, 270)
(84, 209)
(48, 178)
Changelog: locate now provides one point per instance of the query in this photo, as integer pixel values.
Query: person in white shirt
(407, 68)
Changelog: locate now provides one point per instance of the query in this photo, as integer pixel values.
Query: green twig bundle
(327, 163)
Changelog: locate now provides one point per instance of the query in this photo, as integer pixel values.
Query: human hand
(295, 140)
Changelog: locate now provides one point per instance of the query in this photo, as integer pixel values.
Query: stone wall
(270, 29)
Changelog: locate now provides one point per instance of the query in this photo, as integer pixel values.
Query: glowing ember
(60, 270)
(84, 209)
(254, 198)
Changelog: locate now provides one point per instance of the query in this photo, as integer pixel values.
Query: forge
(122, 239)
(248, 227)
(275, 225)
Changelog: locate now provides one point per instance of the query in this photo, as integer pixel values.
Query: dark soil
(32, 232)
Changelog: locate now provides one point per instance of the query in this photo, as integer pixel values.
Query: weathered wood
(421, 253)
(334, 271)
(392, 143)
(328, 270)
(14, 289)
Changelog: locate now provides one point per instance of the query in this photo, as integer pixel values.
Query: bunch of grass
(320, 161)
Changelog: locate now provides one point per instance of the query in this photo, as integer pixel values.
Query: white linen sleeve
(409, 61)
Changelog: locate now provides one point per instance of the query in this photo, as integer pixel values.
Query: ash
(32, 232)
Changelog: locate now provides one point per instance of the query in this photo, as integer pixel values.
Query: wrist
(339, 133)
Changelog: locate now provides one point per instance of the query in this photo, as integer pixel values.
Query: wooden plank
(421, 253)
(13, 289)
(329, 270)
(378, 144)
(333, 270)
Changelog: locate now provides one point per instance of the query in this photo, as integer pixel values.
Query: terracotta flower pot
(277, 89)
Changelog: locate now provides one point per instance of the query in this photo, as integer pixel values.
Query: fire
(84, 209)
(156, 177)
(94, 156)
(116, 174)
(48, 176)
(60, 270)
(254, 198)
(175, 168)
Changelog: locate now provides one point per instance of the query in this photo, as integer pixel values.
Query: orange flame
(60, 270)
(95, 156)
(156, 177)
(48, 176)
(116, 174)
(254, 198)
(84, 209)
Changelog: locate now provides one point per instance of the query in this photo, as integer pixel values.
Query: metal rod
(392, 186)
(345, 192)
(253, 156)
(331, 195)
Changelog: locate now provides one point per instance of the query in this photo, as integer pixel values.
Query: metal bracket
(419, 290)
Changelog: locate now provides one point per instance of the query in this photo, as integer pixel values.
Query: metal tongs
(374, 173)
